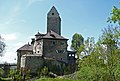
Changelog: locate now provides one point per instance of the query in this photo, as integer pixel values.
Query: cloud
(9, 37)
(9, 57)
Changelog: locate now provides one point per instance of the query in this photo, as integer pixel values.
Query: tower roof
(53, 12)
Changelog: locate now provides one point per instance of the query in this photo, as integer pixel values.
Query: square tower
(54, 21)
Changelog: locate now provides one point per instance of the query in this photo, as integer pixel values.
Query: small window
(73, 55)
(60, 51)
(53, 42)
(52, 13)
(38, 51)
(62, 43)
(69, 54)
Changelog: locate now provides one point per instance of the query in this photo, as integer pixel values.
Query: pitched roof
(53, 10)
(52, 35)
(26, 47)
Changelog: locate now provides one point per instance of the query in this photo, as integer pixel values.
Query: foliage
(1, 72)
(77, 41)
(2, 46)
(115, 15)
(103, 63)
(89, 46)
(55, 79)
(5, 79)
(44, 71)
(15, 75)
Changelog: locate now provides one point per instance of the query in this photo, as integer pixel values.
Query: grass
(5, 79)
(54, 79)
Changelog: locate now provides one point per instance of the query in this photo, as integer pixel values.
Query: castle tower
(54, 21)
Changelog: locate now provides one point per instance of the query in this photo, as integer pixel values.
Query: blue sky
(22, 19)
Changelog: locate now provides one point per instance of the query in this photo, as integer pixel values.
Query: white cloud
(9, 37)
(9, 57)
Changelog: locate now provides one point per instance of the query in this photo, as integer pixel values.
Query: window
(52, 13)
(69, 54)
(38, 51)
(60, 51)
(73, 55)
(53, 43)
(62, 43)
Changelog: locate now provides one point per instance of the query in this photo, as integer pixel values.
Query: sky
(20, 20)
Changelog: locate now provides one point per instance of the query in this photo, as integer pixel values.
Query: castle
(48, 49)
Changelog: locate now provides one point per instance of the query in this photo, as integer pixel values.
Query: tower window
(38, 51)
(52, 13)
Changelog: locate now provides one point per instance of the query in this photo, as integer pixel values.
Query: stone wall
(54, 24)
(35, 62)
(56, 49)
(19, 55)
(32, 62)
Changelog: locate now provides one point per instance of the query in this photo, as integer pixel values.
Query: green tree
(44, 71)
(1, 72)
(115, 15)
(103, 63)
(89, 46)
(77, 41)
(110, 39)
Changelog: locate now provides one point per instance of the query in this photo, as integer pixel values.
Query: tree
(89, 46)
(115, 15)
(44, 71)
(110, 39)
(77, 41)
(1, 72)
(2, 46)
(103, 60)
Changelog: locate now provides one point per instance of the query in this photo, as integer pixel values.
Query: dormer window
(52, 13)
